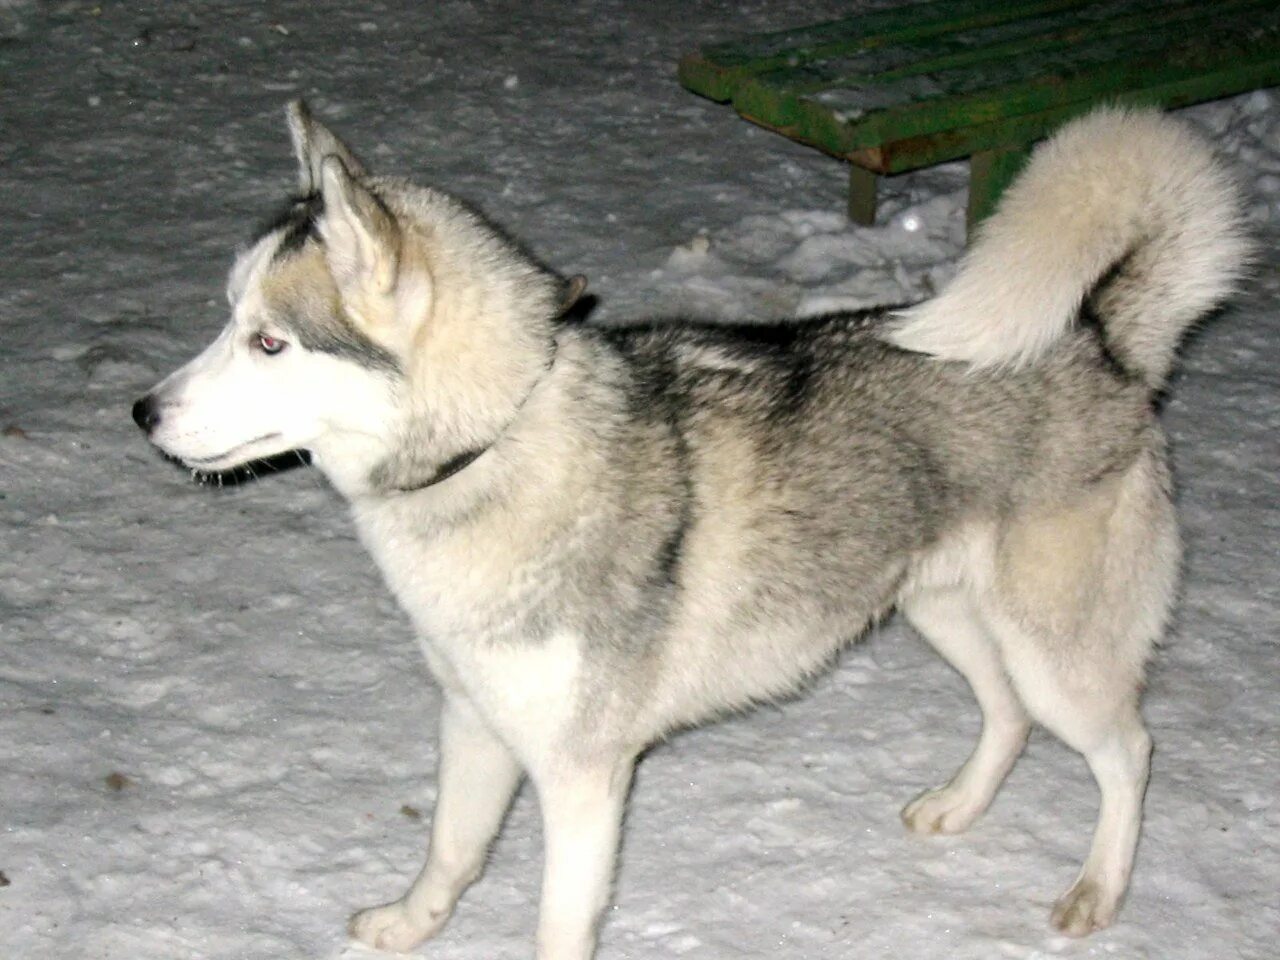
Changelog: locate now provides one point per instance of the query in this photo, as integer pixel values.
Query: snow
(216, 733)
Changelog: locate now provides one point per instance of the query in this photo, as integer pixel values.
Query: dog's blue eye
(270, 345)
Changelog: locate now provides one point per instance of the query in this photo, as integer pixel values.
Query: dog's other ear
(312, 142)
(572, 292)
(361, 237)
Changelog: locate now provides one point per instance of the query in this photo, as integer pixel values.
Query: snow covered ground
(216, 733)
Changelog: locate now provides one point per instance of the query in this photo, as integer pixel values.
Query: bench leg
(862, 195)
(990, 172)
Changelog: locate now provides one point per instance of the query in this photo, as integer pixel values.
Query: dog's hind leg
(1120, 764)
(949, 621)
(582, 808)
(1101, 721)
(1079, 596)
(477, 779)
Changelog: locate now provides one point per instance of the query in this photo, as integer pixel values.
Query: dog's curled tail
(1127, 208)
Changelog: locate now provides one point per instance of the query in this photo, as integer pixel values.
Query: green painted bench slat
(851, 118)
(908, 72)
(908, 87)
(717, 67)
(912, 153)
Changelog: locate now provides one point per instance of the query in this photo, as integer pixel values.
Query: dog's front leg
(478, 776)
(582, 818)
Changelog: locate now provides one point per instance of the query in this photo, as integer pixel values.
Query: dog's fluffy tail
(1127, 208)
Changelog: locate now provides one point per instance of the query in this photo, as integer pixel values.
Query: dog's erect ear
(572, 292)
(361, 237)
(312, 142)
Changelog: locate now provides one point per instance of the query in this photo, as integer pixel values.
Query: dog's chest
(484, 612)
(469, 582)
(528, 693)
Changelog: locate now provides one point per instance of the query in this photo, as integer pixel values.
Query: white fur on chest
(465, 596)
(528, 692)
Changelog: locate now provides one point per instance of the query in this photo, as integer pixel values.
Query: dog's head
(367, 313)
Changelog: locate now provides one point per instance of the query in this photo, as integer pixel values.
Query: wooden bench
(911, 86)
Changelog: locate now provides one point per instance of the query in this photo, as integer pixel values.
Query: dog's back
(816, 466)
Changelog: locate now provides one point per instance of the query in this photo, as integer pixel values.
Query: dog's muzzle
(146, 413)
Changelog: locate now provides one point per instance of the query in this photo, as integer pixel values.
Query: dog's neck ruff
(456, 464)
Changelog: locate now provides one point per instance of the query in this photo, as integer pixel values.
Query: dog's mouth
(237, 455)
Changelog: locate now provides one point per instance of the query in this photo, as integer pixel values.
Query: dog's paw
(944, 810)
(393, 927)
(1084, 908)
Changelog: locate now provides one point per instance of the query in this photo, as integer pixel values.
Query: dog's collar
(456, 464)
(448, 469)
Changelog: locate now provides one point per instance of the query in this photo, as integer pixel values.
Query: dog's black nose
(146, 413)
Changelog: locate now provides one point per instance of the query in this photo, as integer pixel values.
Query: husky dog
(603, 535)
